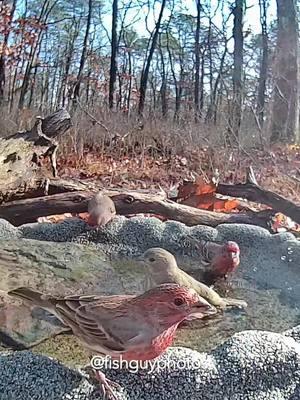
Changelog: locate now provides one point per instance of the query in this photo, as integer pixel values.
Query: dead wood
(22, 173)
(129, 203)
(257, 194)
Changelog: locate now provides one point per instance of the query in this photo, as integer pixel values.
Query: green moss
(65, 348)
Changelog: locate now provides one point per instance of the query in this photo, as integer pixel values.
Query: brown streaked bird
(135, 327)
(162, 268)
(101, 210)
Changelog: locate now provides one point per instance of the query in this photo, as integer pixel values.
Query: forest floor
(276, 169)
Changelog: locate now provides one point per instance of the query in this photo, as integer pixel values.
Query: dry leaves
(54, 219)
(282, 223)
(201, 194)
(277, 169)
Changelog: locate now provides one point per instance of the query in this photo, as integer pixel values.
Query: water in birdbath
(67, 268)
(268, 309)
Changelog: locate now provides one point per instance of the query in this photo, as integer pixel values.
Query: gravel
(251, 365)
(8, 231)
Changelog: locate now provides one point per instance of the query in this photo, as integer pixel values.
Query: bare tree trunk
(68, 57)
(119, 97)
(153, 87)
(44, 14)
(237, 101)
(197, 59)
(178, 89)
(34, 75)
(263, 73)
(201, 105)
(145, 72)
(130, 82)
(209, 54)
(2, 56)
(163, 87)
(285, 105)
(114, 52)
(83, 54)
(212, 108)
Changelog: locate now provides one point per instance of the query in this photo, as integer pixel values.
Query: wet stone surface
(71, 257)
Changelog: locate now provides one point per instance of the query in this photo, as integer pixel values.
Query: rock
(132, 236)
(57, 268)
(62, 232)
(69, 256)
(25, 376)
(8, 231)
(251, 365)
(100, 261)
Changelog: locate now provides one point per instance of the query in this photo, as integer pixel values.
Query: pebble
(251, 365)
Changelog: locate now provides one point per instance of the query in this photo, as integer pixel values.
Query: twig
(250, 176)
(92, 117)
(259, 127)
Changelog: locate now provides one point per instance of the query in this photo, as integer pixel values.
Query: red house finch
(219, 259)
(101, 210)
(134, 327)
(162, 268)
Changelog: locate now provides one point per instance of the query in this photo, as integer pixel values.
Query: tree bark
(255, 193)
(2, 56)
(236, 108)
(145, 72)
(25, 211)
(45, 10)
(197, 59)
(263, 72)
(163, 86)
(114, 51)
(83, 54)
(22, 155)
(69, 51)
(212, 108)
(285, 105)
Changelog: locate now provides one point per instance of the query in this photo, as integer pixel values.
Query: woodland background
(158, 90)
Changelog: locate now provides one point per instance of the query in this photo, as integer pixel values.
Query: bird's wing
(207, 249)
(204, 291)
(203, 248)
(99, 322)
(122, 323)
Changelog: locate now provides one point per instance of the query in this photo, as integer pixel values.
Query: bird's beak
(139, 259)
(202, 309)
(233, 253)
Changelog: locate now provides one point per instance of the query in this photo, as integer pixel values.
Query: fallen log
(257, 194)
(28, 210)
(22, 155)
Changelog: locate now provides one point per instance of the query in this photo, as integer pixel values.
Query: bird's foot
(107, 385)
(235, 303)
(100, 379)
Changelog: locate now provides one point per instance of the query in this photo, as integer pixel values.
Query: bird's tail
(32, 296)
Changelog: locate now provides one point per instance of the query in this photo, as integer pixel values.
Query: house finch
(101, 210)
(134, 327)
(219, 259)
(162, 268)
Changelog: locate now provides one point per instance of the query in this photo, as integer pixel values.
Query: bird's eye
(178, 301)
(151, 259)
